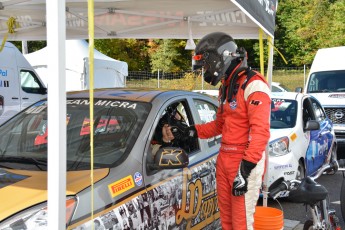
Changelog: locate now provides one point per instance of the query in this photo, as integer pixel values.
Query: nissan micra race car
(302, 138)
(136, 186)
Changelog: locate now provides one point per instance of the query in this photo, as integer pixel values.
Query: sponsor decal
(289, 173)
(186, 201)
(4, 83)
(3, 73)
(233, 104)
(337, 96)
(255, 102)
(283, 166)
(121, 186)
(194, 194)
(170, 157)
(138, 179)
(8, 178)
(109, 103)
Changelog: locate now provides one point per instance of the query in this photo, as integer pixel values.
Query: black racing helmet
(216, 52)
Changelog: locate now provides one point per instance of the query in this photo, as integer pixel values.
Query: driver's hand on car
(168, 136)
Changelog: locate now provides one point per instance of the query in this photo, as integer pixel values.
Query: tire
(342, 198)
(308, 225)
(300, 174)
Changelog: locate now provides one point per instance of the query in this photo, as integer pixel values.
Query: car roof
(132, 94)
(286, 95)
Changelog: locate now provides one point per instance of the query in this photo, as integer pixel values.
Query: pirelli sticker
(121, 186)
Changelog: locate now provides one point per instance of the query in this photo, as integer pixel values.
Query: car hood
(330, 99)
(277, 133)
(21, 189)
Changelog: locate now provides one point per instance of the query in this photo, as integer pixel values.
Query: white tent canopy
(174, 19)
(171, 19)
(108, 72)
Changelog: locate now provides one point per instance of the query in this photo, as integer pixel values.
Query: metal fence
(290, 76)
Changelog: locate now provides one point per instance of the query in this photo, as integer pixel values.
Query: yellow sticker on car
(121, 186)
(293, 137)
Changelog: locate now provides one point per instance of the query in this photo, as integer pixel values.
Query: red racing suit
(245, 129)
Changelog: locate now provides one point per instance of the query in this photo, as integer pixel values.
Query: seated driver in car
(170, 131)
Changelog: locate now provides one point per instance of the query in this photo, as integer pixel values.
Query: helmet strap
(233, 80)
(229, 90)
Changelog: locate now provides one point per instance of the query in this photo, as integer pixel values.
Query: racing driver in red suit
(243, 121)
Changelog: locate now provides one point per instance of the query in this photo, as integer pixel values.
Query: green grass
(291, 78)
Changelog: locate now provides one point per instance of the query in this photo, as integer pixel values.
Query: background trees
(302, 27)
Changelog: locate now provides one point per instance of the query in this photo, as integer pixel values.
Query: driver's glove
(240, 185)
(191, 131)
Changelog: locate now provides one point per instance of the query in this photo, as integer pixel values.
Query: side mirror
(43, 91)
(170, 158)
(312, 125)
(298, 89)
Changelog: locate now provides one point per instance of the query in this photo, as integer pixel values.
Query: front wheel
(300, 174)
(308, 225)
(342, 198)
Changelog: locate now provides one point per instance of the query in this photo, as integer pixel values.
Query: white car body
(278, 87)
(295, 152)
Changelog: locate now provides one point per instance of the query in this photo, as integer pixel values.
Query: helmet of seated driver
(218, 54)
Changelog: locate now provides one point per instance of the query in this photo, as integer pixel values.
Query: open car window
(178, 116)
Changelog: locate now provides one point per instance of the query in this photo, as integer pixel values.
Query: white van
(326, 82)
(20, 85)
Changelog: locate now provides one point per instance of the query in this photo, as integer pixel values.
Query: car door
(326, 136)
(319, 139)
(183, 198)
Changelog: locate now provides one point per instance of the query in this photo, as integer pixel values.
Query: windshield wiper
(25, 160)
(319, 91)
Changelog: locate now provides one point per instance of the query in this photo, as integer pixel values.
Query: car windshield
(326, 82)
(278, 87)
(283, 113)
(24, 139)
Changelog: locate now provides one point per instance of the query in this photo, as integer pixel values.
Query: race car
(134, 187)
(302, 138)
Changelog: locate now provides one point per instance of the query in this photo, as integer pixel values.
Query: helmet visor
(198, 62)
